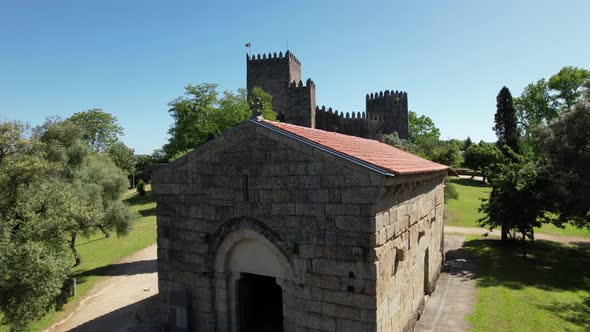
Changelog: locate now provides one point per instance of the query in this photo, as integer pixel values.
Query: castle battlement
(385, 94)
(299, 85)
(294, 100)
(274, 56)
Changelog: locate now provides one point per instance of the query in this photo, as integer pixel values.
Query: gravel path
(126, 300)
(538, 236)
(453, 298)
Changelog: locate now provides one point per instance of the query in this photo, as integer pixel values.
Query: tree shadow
(549, 266)
(121, 269)
(459, 263)
(577, 313)
(139, 316)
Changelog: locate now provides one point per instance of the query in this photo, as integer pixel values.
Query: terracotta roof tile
(381, 155)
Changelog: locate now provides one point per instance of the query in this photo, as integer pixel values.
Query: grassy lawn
(463, 212)
(548, 291)
(98, 252)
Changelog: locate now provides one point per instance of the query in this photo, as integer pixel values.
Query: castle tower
(392, 107)
(274, 73)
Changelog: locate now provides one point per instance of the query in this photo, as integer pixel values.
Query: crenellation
(294, 101)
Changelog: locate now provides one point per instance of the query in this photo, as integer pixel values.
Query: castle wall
(301, 106)
(393, 108)
(354, 124)
(273, 73)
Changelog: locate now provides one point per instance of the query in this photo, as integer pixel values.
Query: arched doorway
(251, 273)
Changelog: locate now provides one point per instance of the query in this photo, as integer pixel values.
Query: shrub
(141, 187)
(450, 192)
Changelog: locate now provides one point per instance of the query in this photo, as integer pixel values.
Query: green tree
(421, 130)
(123, 157)
(505, 122)
(566, 147)
(568, 84)
(394, 140)
(11, 138)
(535, 106)
(467, 143)
(516, 203)
(447, 153)
(200, 115)
(481, 156)
(95, 178)
(100, 129)
(53, 187)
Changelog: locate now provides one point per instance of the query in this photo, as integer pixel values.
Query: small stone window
(246, 188)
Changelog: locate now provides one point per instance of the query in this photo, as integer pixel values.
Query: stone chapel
(279, 227)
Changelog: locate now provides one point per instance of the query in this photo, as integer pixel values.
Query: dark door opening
(260, 304)
(426, 274)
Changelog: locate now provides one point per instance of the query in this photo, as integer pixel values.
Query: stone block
(309, 209)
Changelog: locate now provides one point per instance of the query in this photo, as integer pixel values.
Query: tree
(53, 187)
(99, 129)
(467, 143)
(481, 156)
(421, 130)
(567, 84)
(535, 106)
(394, 140)
(11, 138)
(566, 149)
(505, 122)
(516, 203)
(123, 157)
(96, 179)
(447, 153)
(201, 115)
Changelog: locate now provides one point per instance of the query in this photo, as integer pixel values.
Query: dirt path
(453, 298)
(538, 236)
(124, 301)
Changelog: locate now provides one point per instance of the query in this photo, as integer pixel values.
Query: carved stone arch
(236, 224)
(242, 247)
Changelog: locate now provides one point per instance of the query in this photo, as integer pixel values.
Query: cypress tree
(506, 127)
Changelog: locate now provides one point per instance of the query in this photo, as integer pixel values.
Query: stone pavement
(453, 299)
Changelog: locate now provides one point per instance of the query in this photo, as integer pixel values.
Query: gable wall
(321, 210)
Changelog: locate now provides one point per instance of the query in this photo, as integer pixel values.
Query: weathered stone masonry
(346, 244)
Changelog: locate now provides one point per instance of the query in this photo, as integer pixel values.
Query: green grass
(463, 212)
(548, 291)
(98, 252)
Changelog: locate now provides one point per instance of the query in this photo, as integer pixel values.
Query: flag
(247, 45)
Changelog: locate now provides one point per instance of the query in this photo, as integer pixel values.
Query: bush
(141, 187)
(450, 192)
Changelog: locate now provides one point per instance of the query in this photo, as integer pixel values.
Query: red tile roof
(384, 156)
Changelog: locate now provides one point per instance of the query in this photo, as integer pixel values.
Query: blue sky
(131, 58)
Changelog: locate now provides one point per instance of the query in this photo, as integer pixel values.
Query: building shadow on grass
(121, 269)
(139, 316)
(148, 212)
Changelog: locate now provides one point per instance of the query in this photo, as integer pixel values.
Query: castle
(294, 102)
